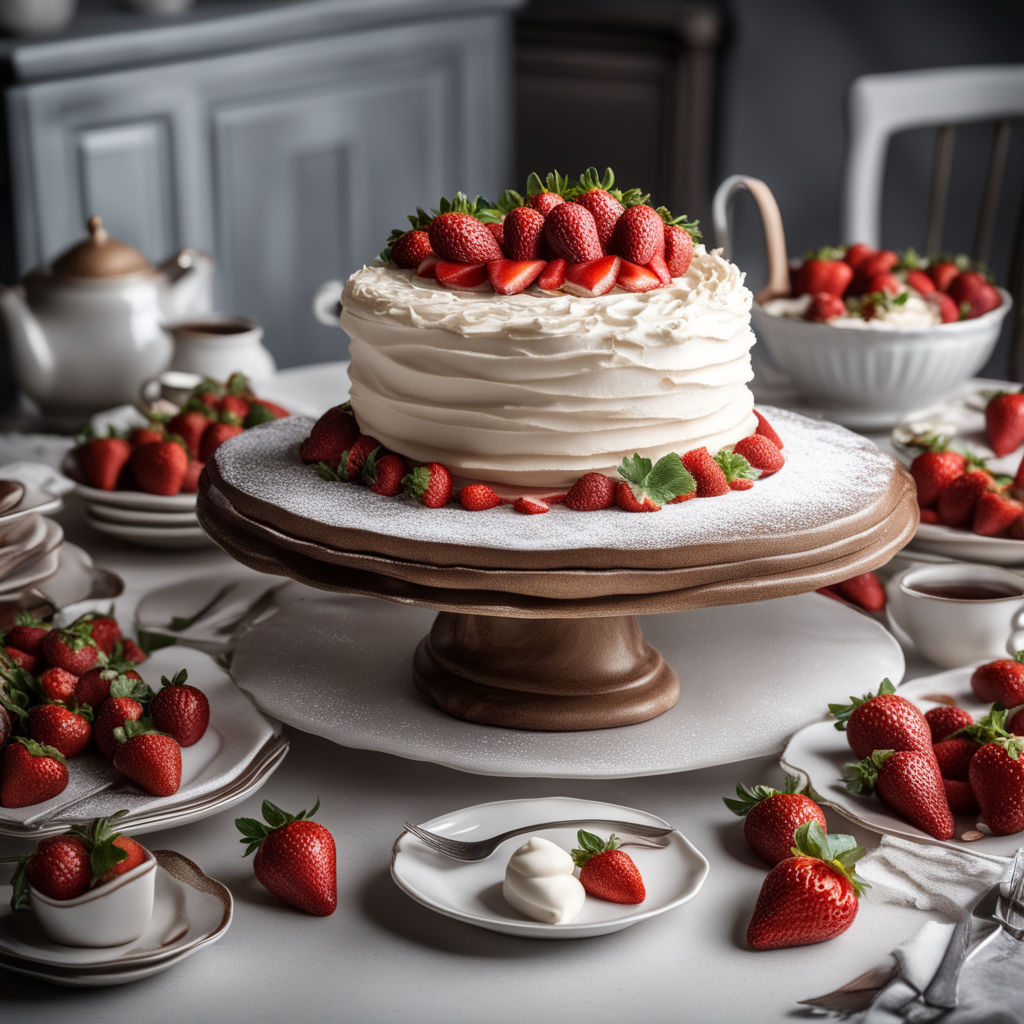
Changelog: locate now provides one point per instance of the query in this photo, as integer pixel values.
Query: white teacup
(960, 614)
(219, 344)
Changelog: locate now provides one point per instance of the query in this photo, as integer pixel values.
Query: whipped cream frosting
(532, 390)
(539, 882)
(913, 314)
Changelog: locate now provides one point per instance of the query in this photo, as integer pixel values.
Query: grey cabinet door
(289, 164)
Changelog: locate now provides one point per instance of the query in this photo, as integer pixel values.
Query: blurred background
(286, 139)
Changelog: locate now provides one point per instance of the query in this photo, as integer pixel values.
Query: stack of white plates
(29, 542)
(152, 520)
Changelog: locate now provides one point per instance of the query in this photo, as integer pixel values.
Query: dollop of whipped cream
(539, 882)
(535, 389)
(915, 313)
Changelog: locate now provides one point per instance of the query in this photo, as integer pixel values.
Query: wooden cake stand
(537, 624)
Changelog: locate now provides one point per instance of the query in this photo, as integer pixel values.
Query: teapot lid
(100, 256)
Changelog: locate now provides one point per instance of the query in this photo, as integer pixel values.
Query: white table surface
(383, 957)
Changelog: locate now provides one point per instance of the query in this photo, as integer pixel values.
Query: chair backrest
(880, 106)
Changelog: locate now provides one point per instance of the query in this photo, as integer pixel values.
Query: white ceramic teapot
(85, 332)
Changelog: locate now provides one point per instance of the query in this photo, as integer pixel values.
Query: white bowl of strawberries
(880, 330)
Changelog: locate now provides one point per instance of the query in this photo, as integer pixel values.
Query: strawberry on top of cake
(558, 332)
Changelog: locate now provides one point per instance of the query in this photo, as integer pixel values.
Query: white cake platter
(751, 674)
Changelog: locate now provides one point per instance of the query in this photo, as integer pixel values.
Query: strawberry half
(463, 277)
(645, 487)
(633, 278)
(596, 277)
(509, 277)
(552, 277)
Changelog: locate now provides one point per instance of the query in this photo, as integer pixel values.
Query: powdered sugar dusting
(830, 474)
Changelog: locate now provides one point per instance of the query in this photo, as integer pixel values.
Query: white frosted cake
(533, 389)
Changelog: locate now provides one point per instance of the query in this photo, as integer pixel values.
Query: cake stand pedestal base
(547, 674)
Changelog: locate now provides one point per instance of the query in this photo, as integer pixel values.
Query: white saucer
(191, 910)
(138, 516)
(234, 758)
(151, 536)
(966, 546)
(819, 753)
(341, 667)
(471, 892)
(41, 566)
(35, 501)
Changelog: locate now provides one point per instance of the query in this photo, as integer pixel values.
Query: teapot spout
(189, 276)
(31, 353)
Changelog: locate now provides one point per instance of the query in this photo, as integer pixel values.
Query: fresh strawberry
(545, 202)
(678, 250)
(945, 720)
(591, 493)
(72, 649)
(605, 871)
(93, 687)
(101, 460)
(30, 773)
(824, 307)
(427, 267)
(153, 431)
(887, 283)
(552, 277)
(190, 427)
(772, 816)
(67, 729)
(111, 854)
(136, 854)
(1000, 681)
(879, 262)
(462, 277)
(857, 253)
(958, 498)
(597, 277)
(524, 229)
(331, 435)
(810, 897)
(262, 411)
(971, 289)
(882, 721)
(605, 209)
(960, 796)
(509, 277)
(1004, 422)
(461, 238)
(760, 453)
(529, 507)
(994, 514)
(865, 591)
(478, 498)
(431, 484)
(27, 634)
(953, 756)
(59, 867)
(190, 485)
(929, 515)
(739, 473)
(571, 232)
(58, 684)
(131, 652)
(112, 714)
(765, 429)
(707, 473)
(943, 273)
(639, 234)
(1015, 723)
(949, 311)
(636, 279)
(909, 783)
(659, 268)
(920, 282)
(933, 470)
(350, 465)
(383, 475)
(497, 229)
(148, 758)
(29, 662)
(997, 778)
(645, 487)
(547, 193)
(104, 630)
(296, 858)
(410, 249)
(741, 483)
(160, 467)
(180, 709)
(819, 275)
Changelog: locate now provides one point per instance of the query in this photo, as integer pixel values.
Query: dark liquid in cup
(215, 328)
(968, 591)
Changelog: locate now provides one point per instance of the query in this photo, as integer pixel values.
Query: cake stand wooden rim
(255, 549)
(556, 583)
(451, 554)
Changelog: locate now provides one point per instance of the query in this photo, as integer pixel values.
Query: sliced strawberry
(824, 307)
(920, 282)
(529, 507)
(509, 277)
(765, 429)
(427, 267)
(463, 277)
(552, 277)
(632, 278)
(596, 277)
(478, 498)
(949, 311)
(658, 266)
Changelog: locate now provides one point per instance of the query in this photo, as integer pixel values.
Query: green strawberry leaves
(750, 796)
(992, 729)
(861, 777)
(839, 851)
(40, 749)
(554, 181)
(99, 836)
(255, 831)
(841, 712)
(735, 466)
(661, 481)
(591, 845)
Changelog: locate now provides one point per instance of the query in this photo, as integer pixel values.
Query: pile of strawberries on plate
(167, 455)
(581, 236)
(65, 691)
(859, 281)
(343, 454)
(928, 767)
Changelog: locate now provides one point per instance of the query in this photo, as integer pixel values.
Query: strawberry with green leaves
(296, 858)
(332, 435)
(710, 479)
(27, 634)
(882, 721)
(126, 701)
(180, 709)
(150, 759)
(384, 474)
(772, 816)
(606, 872)
(458, 234)
(65, 727)
(810, 897)
(1004, 421)
(996, 773)
(350, 465)
(160, 466)
(823, 270)
(547, 193)
(72, 649)
(31, 773)
(645, 487)
(101, 460)
(430, 484)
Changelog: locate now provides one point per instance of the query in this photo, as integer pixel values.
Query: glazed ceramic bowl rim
(149, 864)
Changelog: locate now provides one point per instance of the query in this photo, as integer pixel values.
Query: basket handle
(774, 236)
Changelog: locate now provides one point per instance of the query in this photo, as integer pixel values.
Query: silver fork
(480, 849)
(1011, 911)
